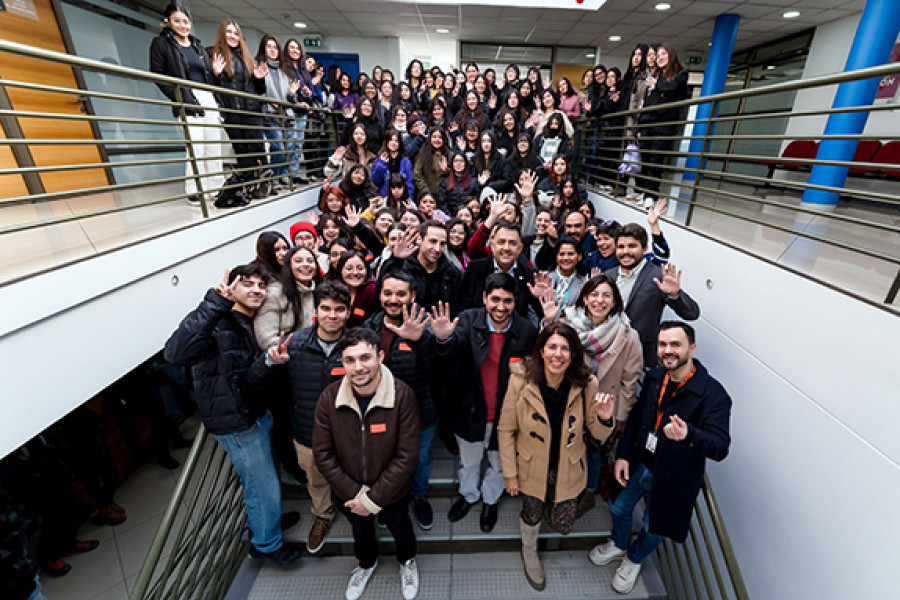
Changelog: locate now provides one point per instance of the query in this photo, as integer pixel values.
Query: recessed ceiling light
(589, 55)
(770, 67)
(663, 6)
(442, 30)
(615, 38)
(300, 25)
(791, 14)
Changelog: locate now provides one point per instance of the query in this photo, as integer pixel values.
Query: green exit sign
(312, 42)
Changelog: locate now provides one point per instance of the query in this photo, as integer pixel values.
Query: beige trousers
(318, 487)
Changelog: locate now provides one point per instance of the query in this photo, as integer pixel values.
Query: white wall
(828, 54)
(77, 329)
(439, 50)
(809, 489)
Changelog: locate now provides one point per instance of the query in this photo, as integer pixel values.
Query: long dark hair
(673, 67)
(578, 374)
(261, 53)
(482, 162)
(265, 251)
(289, 286)
(426, 154)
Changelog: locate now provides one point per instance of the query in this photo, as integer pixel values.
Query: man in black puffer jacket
(313, 366)
(216, 340)
(408, 347)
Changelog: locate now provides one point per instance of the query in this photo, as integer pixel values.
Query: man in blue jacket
(217, 341)
(681, 419)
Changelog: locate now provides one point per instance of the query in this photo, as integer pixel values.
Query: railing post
(579, 143)
(284, 145)
(701, 164)
(190, 147)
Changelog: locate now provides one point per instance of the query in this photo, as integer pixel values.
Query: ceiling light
(442, 30)
(791, 14)
(615, 38)
(300, 25)
(663, 6)
(770, 67)
(589, 55)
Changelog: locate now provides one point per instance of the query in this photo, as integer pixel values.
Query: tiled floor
(109, 572)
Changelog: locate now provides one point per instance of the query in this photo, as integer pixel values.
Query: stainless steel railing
(201, 540)
(705, 566)
(733, 186)
(127, 155)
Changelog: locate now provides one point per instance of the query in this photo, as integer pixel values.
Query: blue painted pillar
(872, 45)
(724, 33)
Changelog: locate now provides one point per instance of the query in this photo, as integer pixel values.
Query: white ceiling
(688, 24)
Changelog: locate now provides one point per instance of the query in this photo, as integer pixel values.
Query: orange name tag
(514, 359)
(359, 312)
(338, 371)
(403, 346)
(378, 427)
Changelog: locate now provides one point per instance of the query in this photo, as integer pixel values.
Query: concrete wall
(75, 330)
(809, 489)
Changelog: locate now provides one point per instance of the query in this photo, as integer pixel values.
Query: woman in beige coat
(289, 301)
(551, 399)
(612, 349)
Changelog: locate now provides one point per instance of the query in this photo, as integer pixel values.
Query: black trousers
(245, 141)
(365, 545)
(652, 159)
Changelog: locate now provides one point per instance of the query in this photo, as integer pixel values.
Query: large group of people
(452, 134)
(454, 284)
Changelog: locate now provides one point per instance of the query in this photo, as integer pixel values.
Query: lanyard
(565, 298)
(662, 392)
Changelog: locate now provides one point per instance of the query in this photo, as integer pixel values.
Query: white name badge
(651, 443)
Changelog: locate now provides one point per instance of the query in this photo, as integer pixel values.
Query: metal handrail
(713, 563)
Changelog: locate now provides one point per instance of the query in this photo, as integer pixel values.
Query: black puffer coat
(441, 284)
(410, 362)
(309, 372)
(220, 347)
(243, 81)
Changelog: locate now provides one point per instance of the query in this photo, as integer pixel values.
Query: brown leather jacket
(523, 435)
(370, 458)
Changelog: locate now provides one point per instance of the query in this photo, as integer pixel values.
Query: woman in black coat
(177, 53)
(234, 69)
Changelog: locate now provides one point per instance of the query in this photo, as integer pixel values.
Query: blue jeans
(297, 135)
(36, 594)
(639, 485)
(419, 483)
(276, 150)
(251, 454)
(595, 468)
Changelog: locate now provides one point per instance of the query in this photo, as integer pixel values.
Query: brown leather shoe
(317, 533)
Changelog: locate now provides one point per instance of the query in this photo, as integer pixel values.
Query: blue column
(714, 77)
(872, 45)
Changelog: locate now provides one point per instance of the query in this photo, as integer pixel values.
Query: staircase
(455, 560)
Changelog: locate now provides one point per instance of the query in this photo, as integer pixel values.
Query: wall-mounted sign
(889, 84)
(312, 42)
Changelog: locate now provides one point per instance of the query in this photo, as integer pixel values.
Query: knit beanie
(303, 226)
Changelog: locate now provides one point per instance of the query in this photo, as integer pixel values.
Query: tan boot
(534, 571)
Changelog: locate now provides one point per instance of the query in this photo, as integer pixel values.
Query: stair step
(593, 525)
(475, 576)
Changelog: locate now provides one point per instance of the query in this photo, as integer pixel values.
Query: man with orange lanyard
(680, 419)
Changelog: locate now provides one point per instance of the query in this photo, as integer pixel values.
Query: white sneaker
(409, 579)
(626, 576)
(359, 577)
(605, 553)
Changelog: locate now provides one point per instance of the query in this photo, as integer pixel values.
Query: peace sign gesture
(225, 289)
(279, 352)
(671, 280)
(441, 324)
(414, 322)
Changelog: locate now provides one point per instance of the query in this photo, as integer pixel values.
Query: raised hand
(461, 143)
(441, 325)
(671, 280)
(218, 64)
(295, 85)
(675, 429)
(339, 153)
(622, 471)
(375, 203)
(526, 188)
(351, 216)
(443, 164)
(604, 405)
(414, 323)
(596, 271)
(260, 70)
(312, 217)
(384, 156)
(484, 177)
(407, 244)
(279, 352)
(453, 126)
(655, 212)
(551, 230)
(225, 289)
(492, 102)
